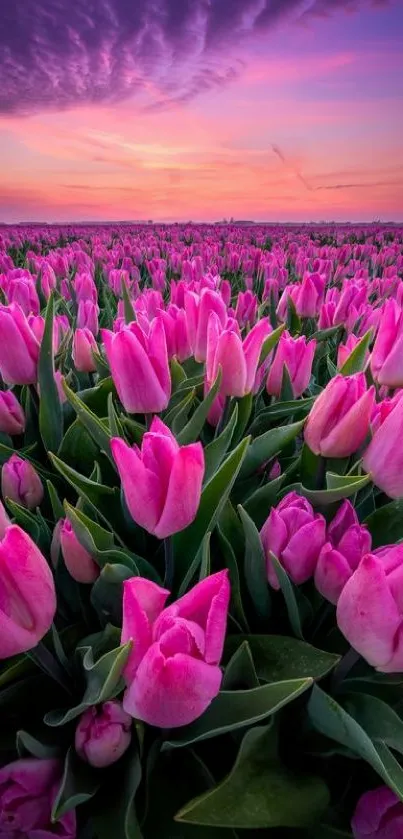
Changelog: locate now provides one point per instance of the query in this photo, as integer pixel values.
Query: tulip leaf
(213, 498)
(26, 744)
(266, 446)
(178, 415)
(79, 783)
(114, 813)
(240, 671)
(255, 567)
(192, 429)
(57, 506)
(280, 410)
(343, 486)
(378, 719)
(293, 321)
(356, 361)
(129, 312)
(386, 524)
(236, 607)
(115, 427)
(331, 720)
(25, 519)
(244, 411)
(107, 593)
(278, 657)
(231, 710)
(95, 427)
(50, 409)
(259, 792)
(270, 342)
(259, 503)
(78, 448)
(290, 596)
(178, 375)
(216, 450)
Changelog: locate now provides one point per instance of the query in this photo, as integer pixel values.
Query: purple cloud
(57, 54)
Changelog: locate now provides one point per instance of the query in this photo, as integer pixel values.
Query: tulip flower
(238, 359)
(387, 355)
(382, 409)
(28, 788)
(162, 481)
(173, 672)
(103, 734)
(295, 535)
(383, 458)
(4, 521)
(139, 367)
(296, 354)
(87, 316)
(78, 561)
(84, 344)
(378, 815)
(370, 609)
(12, 417)
(308, 296)
(344, 350)
(347, 542)
(19, 348)
(28, 597)
(339, 420)
(21, 483)
(198, 311)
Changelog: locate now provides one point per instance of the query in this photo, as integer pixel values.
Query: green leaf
(130, 314)
(205, 567)
(356, 360)
(216, 450)
(231, 710)
(107, 593)
(378, 719)
(290, 598)
(270, 342)
(293, 321)
(26, 744)
(115, 427)
(244, 411)
(278, 657)
(255, 567)
(178, 375)
(213, 499)
(332, 721)
(229, 557)
(57, 506)
(178, 415)
(91, 535)
(240, 671)
(287, 393)
(25, 519)
(344, 486)
(259, 503)
(50, 409)
(80, 782)
(114, 814)
(95, 427)
(280, 410)
(259, 792)
(386, 524)
(193, 428)
(266, 446)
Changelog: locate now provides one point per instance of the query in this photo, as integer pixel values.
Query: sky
(271, 110)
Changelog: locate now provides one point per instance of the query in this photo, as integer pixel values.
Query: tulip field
(201, 521)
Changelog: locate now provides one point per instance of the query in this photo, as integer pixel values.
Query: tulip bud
(383, 458)
(28, 790)
(78, 561)
(378, 815)
(87, 316)
(12, 417)
(19, 348)
(296, 354)
(348, 542)
(339, 420)
(387, 355)
(295, 535)
(103, 734)
(84, 344)
(21, 483)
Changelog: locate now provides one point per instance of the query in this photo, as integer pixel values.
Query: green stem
(224, 417)
(149, 419)
(343, 668)
(49, 665)
(169, 562)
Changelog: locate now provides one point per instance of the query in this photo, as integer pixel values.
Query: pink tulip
(381, 410)
(28, 597)
(370, 609)
(198, 311)
(238, 359)
(339, 420)
(378, 815)
(87, 316)
(19, 349)
(85, 287)
(28, 788)
(344, 350)
(296, 354)
(173, 672)
(295, 535)
(78, 561)
(383, 458)
(162, 481)
(84, 344)
(139, 367)
(308, 296)
(347, 542)
(12, 417)
(21, 483)
(4, 521)
(103, 734)
(387, 355)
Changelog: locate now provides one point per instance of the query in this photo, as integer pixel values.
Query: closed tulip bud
(162, 481)
(296, 354)
(387, 355)
(12, 417)
(347, 542)
(139, 367)
(339, 420)
(28, 597)
(238, 359)
(309, 296)
(378, 815)
(295, 535)
(84, 344)
(173, 672)
(21, 483)
(103, 734)
(78, 561)
(370, 609)
(381, 410)
(19, 348)
(28, 790)
(198, 311)
(383, 458)
(87, 316)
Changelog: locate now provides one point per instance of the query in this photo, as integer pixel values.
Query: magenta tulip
(139, 367)
(12, 417)
(238, 359)
(370, 609)
(78, 561)
(339, 420)
(4, 521)
(296, 354)
(162, 481)
(103, 734)
(295, 535)
(28, 788)
(87, 316)
(383, 458)
(19, 348)
(173, 672)
(344, 351)
(378, 815)
(347, 542)
(21, 483)
(387, 355)
(198, 311)
(27, 593)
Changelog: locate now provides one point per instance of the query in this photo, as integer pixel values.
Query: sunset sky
(201, 109)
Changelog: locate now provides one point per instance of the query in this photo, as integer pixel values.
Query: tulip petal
(143, 602)
(184, 488)
(142, 488)
(350, 432)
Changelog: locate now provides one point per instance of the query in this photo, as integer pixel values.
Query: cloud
(56, 54)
